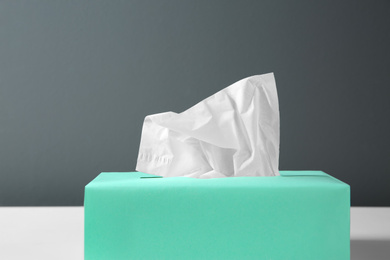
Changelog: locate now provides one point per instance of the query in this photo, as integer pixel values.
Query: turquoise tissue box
(297, 215)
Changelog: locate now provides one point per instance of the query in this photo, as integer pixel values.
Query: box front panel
(261, 221)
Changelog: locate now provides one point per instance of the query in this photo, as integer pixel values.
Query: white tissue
(232, 133)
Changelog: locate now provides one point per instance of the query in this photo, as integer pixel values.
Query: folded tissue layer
(233, 133)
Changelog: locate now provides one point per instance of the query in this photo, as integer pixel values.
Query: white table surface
(58, 233)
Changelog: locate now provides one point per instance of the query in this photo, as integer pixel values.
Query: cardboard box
(298, 215)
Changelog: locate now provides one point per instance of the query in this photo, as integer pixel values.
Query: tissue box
(298, 215)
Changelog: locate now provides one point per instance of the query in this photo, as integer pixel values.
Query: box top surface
(286, 179)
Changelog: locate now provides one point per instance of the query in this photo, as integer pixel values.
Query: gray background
(78, 77)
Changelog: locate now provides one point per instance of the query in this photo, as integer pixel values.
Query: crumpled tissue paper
(233, 133)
